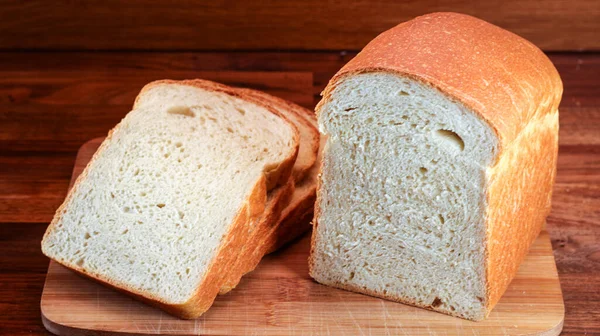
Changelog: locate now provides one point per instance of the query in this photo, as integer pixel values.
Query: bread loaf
(438, 169)
(161, 210)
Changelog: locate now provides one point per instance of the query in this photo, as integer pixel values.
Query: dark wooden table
(52, 102)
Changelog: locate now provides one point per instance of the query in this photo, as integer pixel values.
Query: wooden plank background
(69, 71)
(554, 25)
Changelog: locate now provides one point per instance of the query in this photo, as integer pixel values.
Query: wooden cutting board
(279, 298)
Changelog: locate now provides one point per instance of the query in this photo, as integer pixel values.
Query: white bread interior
(402, 200)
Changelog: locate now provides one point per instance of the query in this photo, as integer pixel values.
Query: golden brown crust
(292, 226)
(282, 230)
(519, 199)
(513, 87)
(275, 204)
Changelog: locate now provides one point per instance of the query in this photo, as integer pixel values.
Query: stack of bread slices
(187, 194)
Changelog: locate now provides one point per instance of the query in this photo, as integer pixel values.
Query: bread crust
(227, 253)
(294, 224)
(275, 204)
(282, 229)
(511, 86)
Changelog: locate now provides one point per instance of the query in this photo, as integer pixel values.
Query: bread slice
(437, 174)
(269, 223)
(160, 210)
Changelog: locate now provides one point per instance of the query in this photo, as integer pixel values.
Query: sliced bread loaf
(268, 224)
(437, 173)
(160, 210)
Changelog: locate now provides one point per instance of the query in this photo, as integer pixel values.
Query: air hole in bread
(229, 129)
(127, 209)
(351, 276)
(436, 302)
(403, 93)
(350, 109)
(442, 219)
(241, 110)
(178, 144)
(423, 170)
(181, 110)
(450, 139)
(125, 231)
(160, 205)
(80, 262)
(87, 235)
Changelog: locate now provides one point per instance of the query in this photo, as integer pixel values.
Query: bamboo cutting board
(279, 298)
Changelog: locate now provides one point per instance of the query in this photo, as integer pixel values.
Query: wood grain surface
(35, 171)
(279, 298)
(270, 24)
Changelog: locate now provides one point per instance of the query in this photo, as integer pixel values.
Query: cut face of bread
(159, 210)
(402, 203)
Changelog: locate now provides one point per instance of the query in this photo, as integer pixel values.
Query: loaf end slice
(158, 211)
